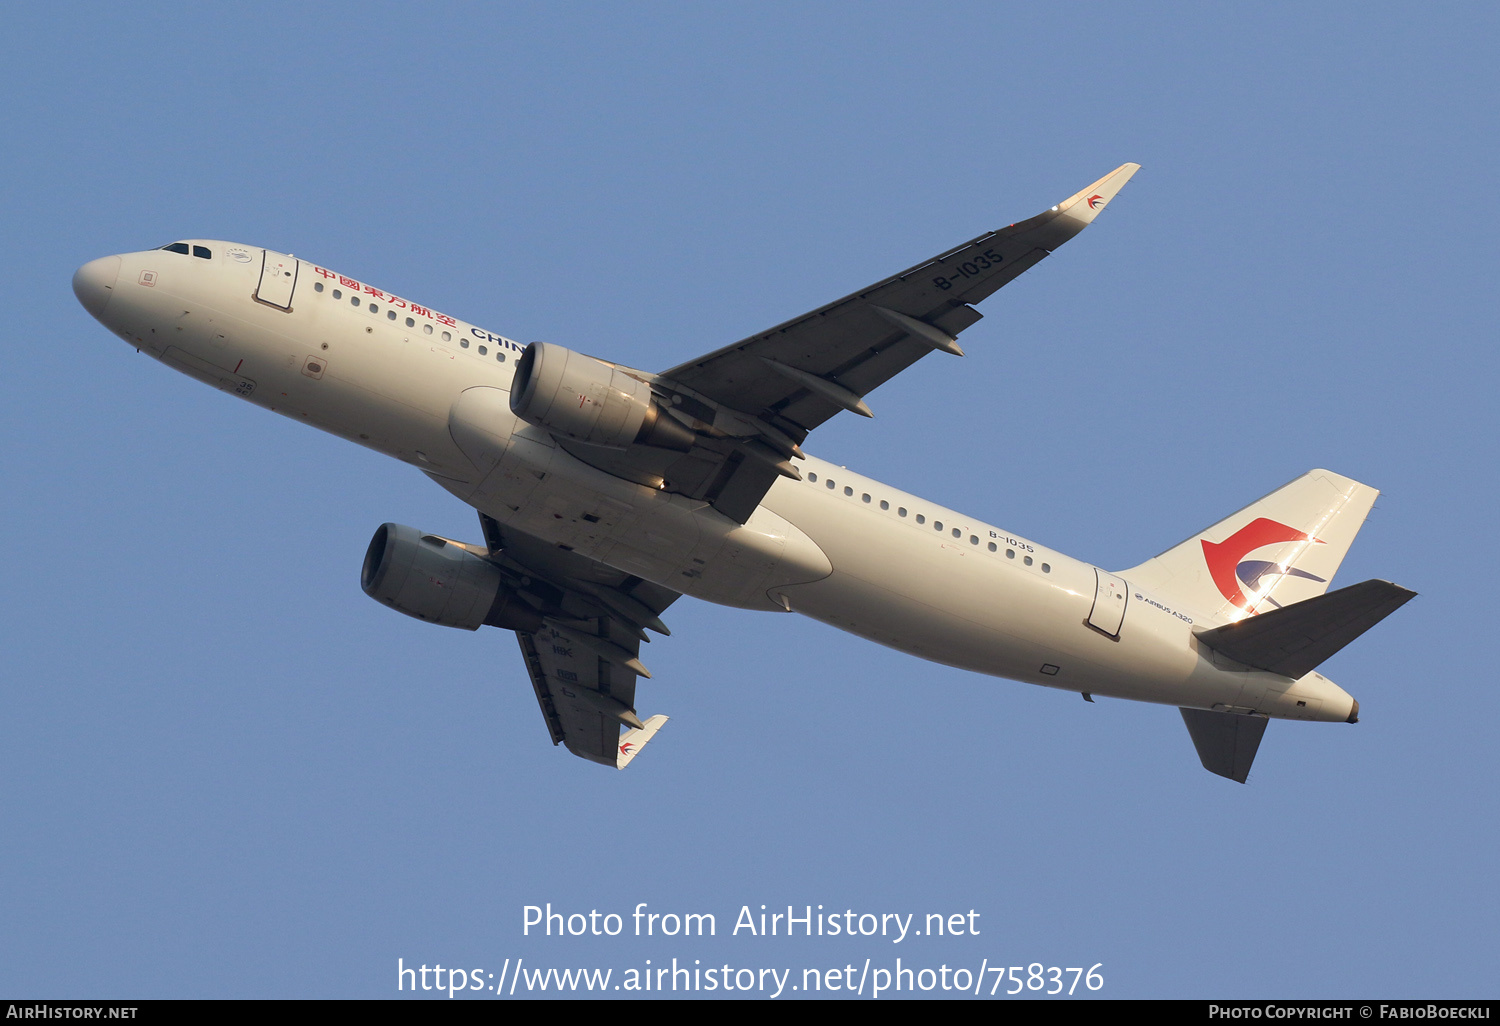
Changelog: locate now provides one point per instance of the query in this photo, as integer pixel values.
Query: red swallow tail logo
(1096, 201)
(1223, 558)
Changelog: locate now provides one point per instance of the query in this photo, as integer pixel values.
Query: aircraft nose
(94, 283)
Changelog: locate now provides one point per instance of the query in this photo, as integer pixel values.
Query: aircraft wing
(748, 407)
(799, 374)
(583, 657)
(585, 699)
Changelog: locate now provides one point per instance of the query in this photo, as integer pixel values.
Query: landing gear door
(1110, 598)
(278, 279)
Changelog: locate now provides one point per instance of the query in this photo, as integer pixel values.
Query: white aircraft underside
(605, 492)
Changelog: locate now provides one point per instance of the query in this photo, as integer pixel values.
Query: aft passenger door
(278, 280)
(1110, 599)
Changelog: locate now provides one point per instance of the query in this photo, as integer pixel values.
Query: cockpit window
(177, 247)
(202, 251)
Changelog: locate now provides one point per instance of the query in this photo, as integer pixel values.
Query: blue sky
(228, 773)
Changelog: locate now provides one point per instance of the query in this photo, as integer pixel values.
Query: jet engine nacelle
(440, 581)
(588, 400)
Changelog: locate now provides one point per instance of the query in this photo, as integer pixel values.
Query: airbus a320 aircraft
(605, 493)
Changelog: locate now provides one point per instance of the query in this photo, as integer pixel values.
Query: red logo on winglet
(1223, 557)
(1095, 201)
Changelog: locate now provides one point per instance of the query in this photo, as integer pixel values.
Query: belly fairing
(530, 484)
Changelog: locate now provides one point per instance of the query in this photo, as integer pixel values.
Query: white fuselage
(411, 382)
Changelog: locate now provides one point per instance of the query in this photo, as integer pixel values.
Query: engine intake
(440, 581)
(588, 400)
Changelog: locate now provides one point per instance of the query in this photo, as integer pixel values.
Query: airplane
(605, 493)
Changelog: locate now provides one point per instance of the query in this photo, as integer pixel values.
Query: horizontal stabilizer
(1226, 742)
(1295, 639)
(632, 741)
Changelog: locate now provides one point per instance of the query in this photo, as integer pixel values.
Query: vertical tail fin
(1278, 550)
